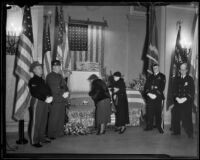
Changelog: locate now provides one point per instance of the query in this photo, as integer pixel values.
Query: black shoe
(160, 130)
(37, 145)
(122, 130)
(175, 133)
(98, 132)
(52, 138)
(46, 140)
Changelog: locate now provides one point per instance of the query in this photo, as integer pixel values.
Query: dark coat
(122, 113)
(155, 84)
(57, 85)
(38, 88)
(184, 88)
(99, 91)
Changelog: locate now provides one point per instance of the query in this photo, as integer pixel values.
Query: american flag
(176, 60)
(46, 50)
(24, 60)
(152, 53)
(86, 44)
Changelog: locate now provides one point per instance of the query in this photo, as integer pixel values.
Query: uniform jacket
(38, 88)
(155, 84)
(99, 90)
(57, 85)
(184, 88)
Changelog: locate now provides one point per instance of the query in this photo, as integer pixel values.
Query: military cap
(117, 74)
(55, 63)
(92, 77)
(33, 65)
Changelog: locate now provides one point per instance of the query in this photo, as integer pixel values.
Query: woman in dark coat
(101, 96)
(121, 102)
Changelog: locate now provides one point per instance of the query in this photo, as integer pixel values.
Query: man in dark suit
(59, 90)
(183, 102)
(154, 96)
(41, 96)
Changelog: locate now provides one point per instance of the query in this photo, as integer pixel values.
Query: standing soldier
(41, 96)
(154, 96)
(59, 91)
(183, 101)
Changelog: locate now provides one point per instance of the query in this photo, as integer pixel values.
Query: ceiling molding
(189, 8)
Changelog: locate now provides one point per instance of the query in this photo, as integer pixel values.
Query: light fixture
(186, 46)
(13, 29)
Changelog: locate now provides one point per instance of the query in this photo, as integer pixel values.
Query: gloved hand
(49, 99)
(152, 96)
(65, 94)
(114, 97)
(178, 99)
(116, 89)
(182, 100)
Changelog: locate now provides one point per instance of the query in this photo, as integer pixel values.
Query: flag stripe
(26, 45)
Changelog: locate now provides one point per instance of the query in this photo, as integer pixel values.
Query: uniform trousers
(56, 119)
(38, 120)
(183, 112)
(154, 109)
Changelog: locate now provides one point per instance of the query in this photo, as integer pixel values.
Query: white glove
(65, 94)
(49, 99)
(182, 100)
(114, 97)
(116, 89)
(152, 96)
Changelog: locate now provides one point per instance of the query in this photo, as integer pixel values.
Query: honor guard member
(60, 93)
(41, 97)
(154, 96)
(183, 102)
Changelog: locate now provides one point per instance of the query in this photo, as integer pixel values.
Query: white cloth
(152, 96)
(181, 100)
(49, 99)
(65, 94)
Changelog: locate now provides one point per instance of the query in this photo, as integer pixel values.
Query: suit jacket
(184, 88)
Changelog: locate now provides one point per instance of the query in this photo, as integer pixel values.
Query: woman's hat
(93, 76)
(117, 74)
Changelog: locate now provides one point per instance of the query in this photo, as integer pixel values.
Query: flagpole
(21, 140)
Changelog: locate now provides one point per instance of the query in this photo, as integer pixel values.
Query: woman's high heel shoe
(122, 130)
(98, 132)
(103, 132)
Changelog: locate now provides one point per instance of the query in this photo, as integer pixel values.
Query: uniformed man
(60, 93)
(183, 101)
(154, 96)
(41, 97)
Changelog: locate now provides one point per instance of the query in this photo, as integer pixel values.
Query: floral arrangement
(74, 128)
(138, 84)
(80, 121)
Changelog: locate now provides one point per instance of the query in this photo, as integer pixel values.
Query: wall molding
(189, 8)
